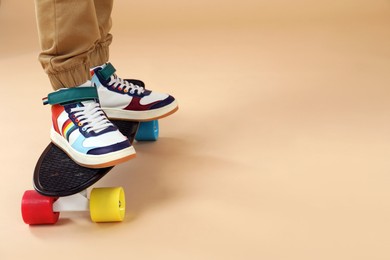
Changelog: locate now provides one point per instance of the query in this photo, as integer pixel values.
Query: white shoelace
(125, 85)
(91, 117)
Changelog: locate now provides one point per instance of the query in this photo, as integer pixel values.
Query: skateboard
(60, 184)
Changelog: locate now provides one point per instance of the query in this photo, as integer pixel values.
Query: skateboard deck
(57, 175)
(60, 183)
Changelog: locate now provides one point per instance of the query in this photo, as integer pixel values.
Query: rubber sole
(92, 161)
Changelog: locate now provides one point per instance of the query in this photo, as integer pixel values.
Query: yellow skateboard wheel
(107, 204)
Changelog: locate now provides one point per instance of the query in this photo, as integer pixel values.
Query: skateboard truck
(75, 202)
(104, 205)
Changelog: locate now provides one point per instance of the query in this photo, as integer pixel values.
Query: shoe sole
(92, 161)
(141, 116)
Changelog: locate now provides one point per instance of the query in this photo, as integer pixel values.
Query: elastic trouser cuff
(70, 78)
(99, 55)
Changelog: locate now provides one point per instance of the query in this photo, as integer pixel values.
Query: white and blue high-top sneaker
(82, 130)
(127, 99)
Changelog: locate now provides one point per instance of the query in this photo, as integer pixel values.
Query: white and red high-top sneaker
(82, 130)
(128, 99)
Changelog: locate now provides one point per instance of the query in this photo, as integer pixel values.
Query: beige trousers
(74, 36)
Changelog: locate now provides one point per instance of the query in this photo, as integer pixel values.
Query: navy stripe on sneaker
(110, 148)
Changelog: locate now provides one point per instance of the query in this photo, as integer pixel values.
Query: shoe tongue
(88, 83)
(99, 67)
(88, 102)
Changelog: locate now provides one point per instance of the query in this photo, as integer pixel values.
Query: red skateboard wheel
(38, 209)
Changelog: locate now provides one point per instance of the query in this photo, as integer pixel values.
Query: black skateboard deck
(57, 175)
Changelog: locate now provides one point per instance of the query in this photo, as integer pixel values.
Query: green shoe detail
(71, 95)
(107, 71)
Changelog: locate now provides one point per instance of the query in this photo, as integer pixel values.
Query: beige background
(280, 149)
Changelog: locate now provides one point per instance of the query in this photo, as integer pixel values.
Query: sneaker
(128, 99)
(82, 130)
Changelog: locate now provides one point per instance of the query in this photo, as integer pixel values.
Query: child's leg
(68, 31)
(103, 10)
